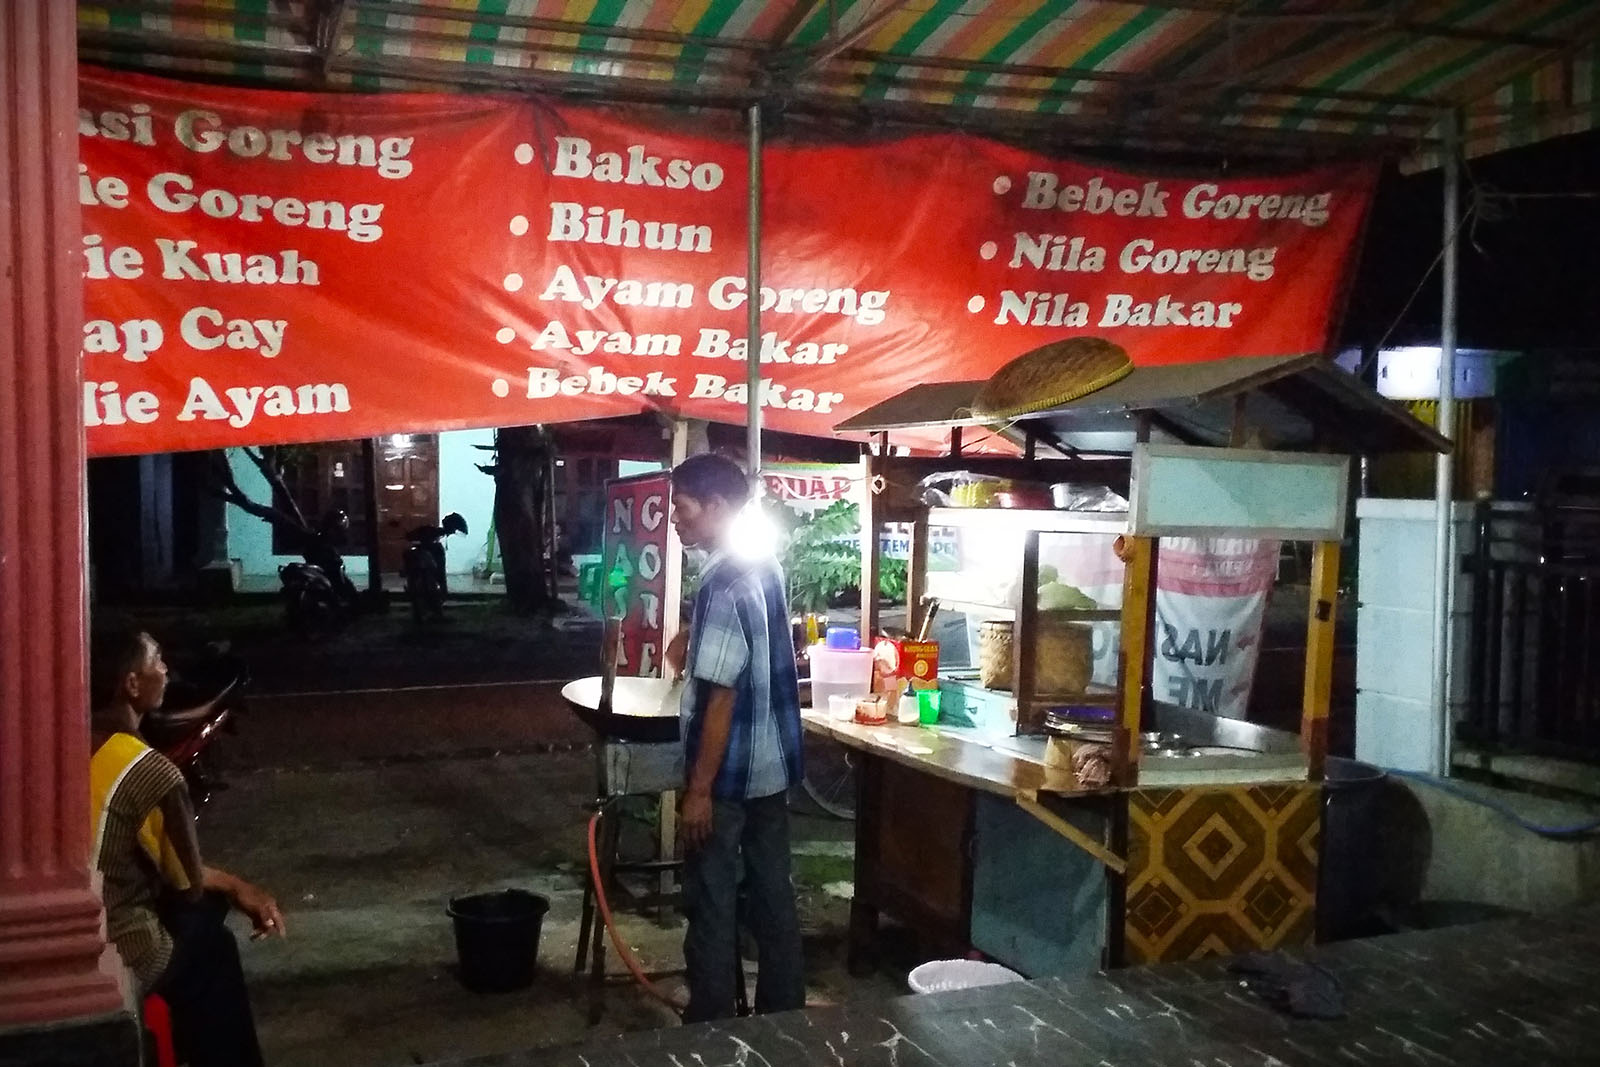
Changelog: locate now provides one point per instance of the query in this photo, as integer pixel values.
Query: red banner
(633, 567)
(270, 267)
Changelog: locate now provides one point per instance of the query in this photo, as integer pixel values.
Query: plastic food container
(839, 672)
(1034, 498)
(872, 711)
(843, 637)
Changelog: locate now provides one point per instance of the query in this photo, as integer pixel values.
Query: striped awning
(1257, 80)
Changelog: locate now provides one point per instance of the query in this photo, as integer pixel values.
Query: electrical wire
(1485, 203)
(1366, 364)
(1445, 785)
(628, 958)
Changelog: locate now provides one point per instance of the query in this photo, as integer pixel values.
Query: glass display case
(1042, 595)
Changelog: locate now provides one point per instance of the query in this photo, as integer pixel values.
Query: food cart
(1203, 838)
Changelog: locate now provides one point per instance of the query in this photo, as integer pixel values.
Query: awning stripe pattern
(1257, 77)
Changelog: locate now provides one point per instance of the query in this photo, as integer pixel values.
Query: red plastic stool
(158, 1023)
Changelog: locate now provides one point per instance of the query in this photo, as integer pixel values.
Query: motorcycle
(318, 596)
(204, 697)
(424, 566)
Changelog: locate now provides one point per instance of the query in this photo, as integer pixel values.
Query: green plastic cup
(927, 706)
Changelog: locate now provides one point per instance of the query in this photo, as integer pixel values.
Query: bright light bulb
(753, 535)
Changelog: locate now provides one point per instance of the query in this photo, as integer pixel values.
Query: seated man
(164, 907)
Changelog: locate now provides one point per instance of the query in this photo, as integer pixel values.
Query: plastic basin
(942, 976)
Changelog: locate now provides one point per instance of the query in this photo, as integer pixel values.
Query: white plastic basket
(941, 976)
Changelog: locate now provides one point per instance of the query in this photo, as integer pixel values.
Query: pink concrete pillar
(54, 964)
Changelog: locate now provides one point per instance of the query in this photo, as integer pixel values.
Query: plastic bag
(959, 489)
(1076, 496)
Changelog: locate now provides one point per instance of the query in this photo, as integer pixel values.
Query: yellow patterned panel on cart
(1215, 871)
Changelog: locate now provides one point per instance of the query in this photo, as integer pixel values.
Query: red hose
(628, 958)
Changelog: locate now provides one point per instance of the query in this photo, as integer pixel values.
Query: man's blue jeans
(755, 832)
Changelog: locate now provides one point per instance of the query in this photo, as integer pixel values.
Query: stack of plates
(1093, 725)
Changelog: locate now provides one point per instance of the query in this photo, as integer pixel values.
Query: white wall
(462, 488)
(250, 539)
(1395, 722)
(466, 489)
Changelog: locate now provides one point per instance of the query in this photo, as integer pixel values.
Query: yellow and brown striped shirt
(127, 781)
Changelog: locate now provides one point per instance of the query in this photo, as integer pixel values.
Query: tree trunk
(521, 471)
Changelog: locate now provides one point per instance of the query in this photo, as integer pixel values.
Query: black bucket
(1349, 878)
(497, 938)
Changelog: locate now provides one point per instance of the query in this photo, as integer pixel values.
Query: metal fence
(1534, 639)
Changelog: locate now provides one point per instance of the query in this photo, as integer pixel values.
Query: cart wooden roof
(1290, 401)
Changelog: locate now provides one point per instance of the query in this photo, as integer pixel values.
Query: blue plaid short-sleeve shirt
(739, 639)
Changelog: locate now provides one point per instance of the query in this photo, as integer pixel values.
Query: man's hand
(251, 899)
(263, 911)
(677, 653)
(694, 820)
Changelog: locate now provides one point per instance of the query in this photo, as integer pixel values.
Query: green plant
(823, 559)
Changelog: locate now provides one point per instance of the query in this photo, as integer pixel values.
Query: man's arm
(716, 724)
(721, 650)
(677, 653)
(251, 899)
(177, 816)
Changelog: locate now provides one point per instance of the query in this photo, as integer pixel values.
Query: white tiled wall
(1394, 628)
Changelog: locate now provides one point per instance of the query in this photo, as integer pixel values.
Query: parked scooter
(318, 596)
(203, 698)
(424, 566)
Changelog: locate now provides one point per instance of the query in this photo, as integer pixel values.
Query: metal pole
(753, 292)
(1444, 471)
(369, 459)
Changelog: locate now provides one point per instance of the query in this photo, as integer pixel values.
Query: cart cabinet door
(1038, 901)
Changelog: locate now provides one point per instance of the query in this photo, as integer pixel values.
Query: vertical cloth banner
(1211, 597)
(272, 267)
(634, 567)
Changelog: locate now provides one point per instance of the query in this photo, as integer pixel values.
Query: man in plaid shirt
(741, 733)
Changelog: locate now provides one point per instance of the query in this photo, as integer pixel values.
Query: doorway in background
(408, 492)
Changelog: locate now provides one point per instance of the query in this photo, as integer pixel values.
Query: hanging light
(753, 535)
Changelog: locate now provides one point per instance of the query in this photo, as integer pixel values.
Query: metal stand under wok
(637, 754)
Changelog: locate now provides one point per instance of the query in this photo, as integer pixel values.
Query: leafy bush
(823, 560)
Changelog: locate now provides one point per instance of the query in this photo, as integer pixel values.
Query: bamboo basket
(1063, 655)
(995, 654)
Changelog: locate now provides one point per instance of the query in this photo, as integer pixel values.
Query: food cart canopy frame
(1251, 82)
(1295, 403)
